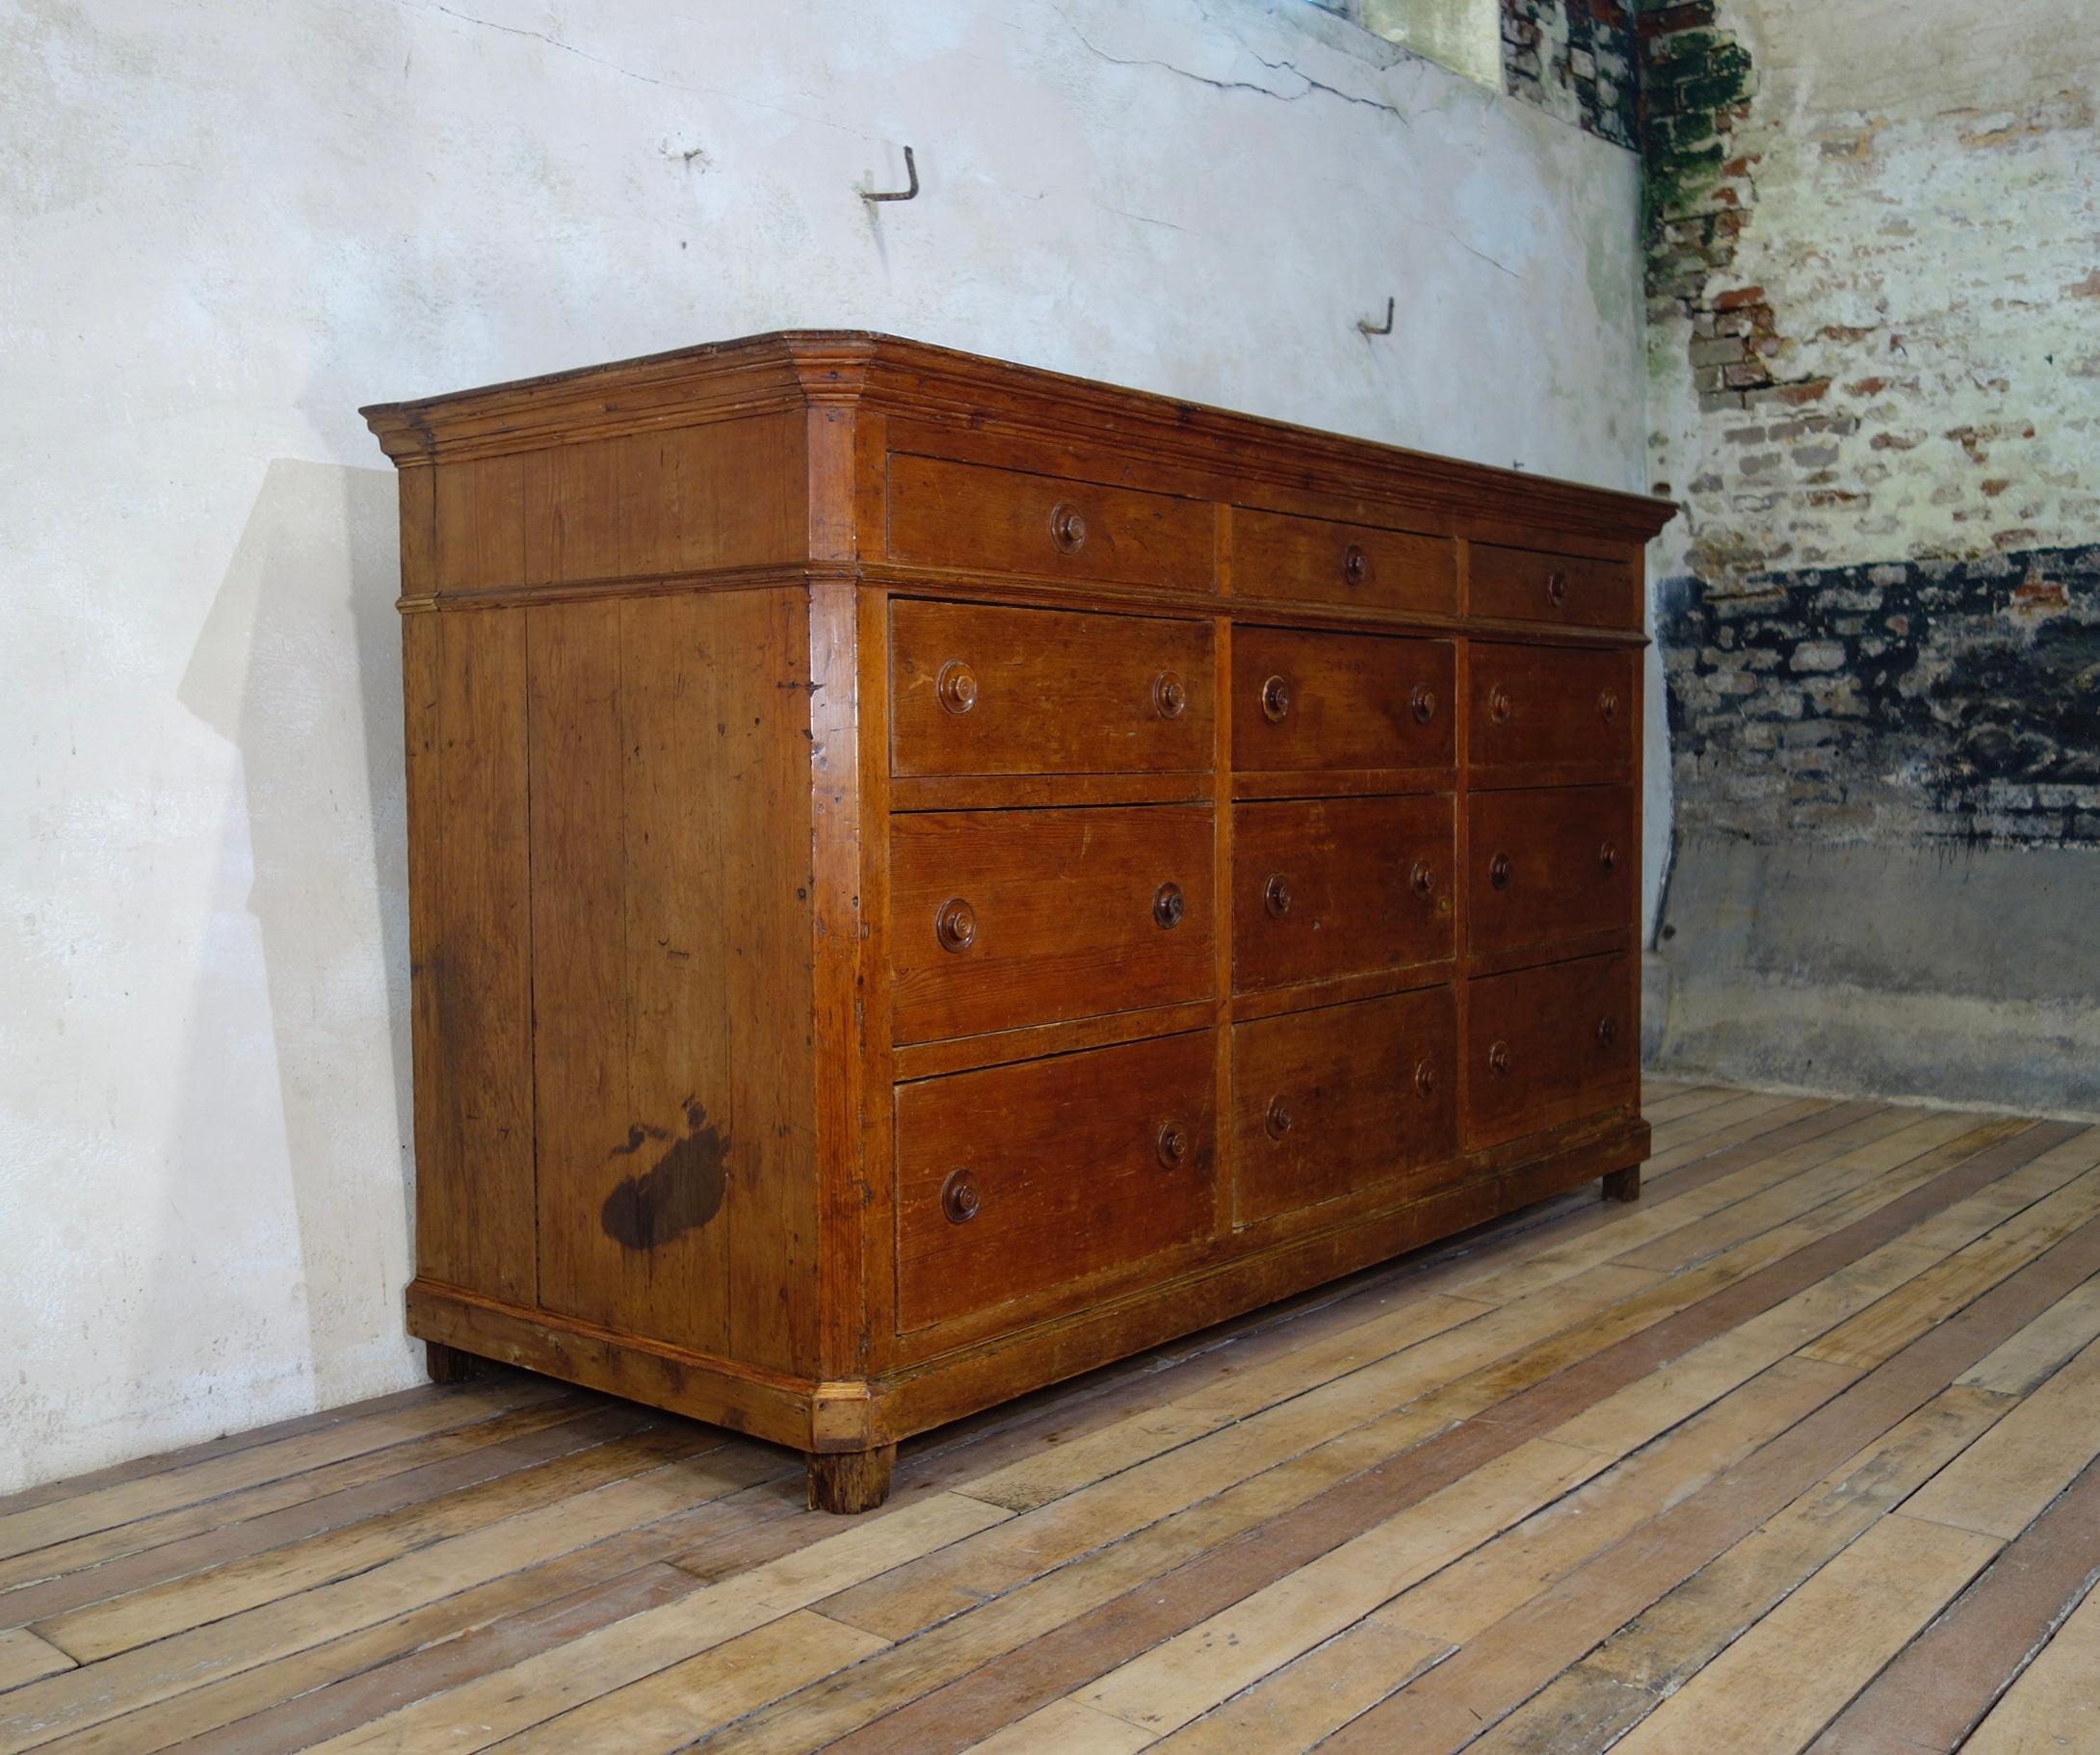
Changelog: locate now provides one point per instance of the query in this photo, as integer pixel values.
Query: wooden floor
(1796, 1452)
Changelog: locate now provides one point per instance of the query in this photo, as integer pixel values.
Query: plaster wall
(229, 224)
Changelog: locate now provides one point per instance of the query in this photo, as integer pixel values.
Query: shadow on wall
(298, 664)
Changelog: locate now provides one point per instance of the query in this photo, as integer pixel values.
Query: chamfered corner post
(1622, 1184)
(851, 1481)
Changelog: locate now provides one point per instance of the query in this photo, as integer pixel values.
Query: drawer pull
(1172, 1144)
(956, 925)
(1608, 705)
(1355, 565)
(959, 1198)
(956, 687)
(1500, 706)
(1276, 896)
(1498, 871)
(1169, 695)
(1423, 879)
(1607, 857)
(1607, 1032)
(1424, 1079)
(1422, 702)
(1556, 588)
(1276, 699)
(1278, 1121)
(1498, 1059)
(1068, 528)
(1167, 906)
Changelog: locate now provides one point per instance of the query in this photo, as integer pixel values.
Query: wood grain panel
(978, 519)
(1329, 1102)
(473, 1005)
(1546, 1045)
(1328, 887)
(1550, 864)
(1050, 1173)
(978, 690)
(1571, 591)
(1319, 561)
(1069, 913)
(1340, 700)
(1560, 709)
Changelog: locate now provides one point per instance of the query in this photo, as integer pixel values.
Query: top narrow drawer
(971, 517)
(1533, 585)
(980, 690)
(1318, 560)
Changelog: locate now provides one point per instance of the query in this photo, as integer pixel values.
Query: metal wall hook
(911, 170)
(1371, 328)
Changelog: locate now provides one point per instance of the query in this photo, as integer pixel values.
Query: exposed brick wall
(1577, 59)
(1941, 699)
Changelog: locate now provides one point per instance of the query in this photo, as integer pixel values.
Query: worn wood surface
(1798, 1452)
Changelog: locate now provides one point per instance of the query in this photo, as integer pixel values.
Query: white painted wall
(228, 225)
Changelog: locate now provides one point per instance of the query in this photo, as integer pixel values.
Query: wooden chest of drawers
(927, 877)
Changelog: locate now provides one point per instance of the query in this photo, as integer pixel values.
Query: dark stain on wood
(680, 1193)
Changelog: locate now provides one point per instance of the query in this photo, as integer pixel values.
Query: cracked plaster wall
(229, 224)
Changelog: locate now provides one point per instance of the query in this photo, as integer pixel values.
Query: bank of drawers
(1348, 816)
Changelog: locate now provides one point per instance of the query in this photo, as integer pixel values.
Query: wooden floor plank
(1799, 1446)
(2053, 1707)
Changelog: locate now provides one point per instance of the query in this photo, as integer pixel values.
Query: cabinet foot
(448, 1365)
(1622, 1184)
(847, 1482)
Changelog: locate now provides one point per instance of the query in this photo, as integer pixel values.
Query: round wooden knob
(1423, 880)
(1169, 695)
(1276, 698)
(1498, 871)
(1607, 857)
(1424, 1079)
(1422, 704)
(1068, 528)
(1498, 1059)
(1355, 565)
(959, 1198)
(1500, 706)
(956, 687)
(1276, 896)
(1556, 588)
(956, 925)
(1277, 1120)
(1167, 906)
(1172, 1144)
(1608, 705)
(1607, 1032)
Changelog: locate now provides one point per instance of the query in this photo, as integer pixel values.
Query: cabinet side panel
(470, 948)
(672, 983)
(682, 499)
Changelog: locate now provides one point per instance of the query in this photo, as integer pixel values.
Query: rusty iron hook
(911, 170)
(1371, 328)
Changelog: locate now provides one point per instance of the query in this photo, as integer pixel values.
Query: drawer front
(1005, 918)
(1545, 1046)
(1339, 886)
(1549, 865)
(1316, 560)
(1018, 1178)
(1550, 706)
(1340, 700)
(1572, 590)
(976, 689)
(1328, 1102)
(975, 518)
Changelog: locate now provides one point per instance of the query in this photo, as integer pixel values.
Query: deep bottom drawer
(1549, 1046)
(1017, 1178)
(1331, 1101)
